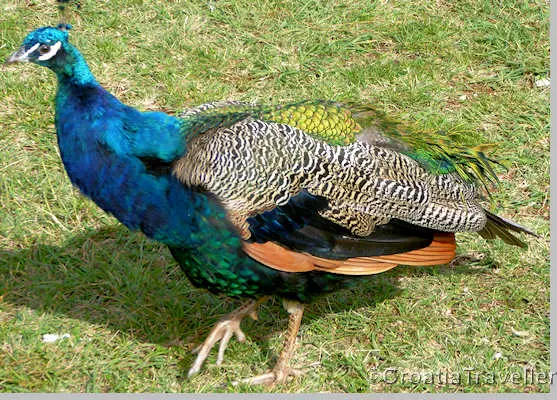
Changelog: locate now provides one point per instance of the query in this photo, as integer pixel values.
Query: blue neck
(73, 69)
(108, 147)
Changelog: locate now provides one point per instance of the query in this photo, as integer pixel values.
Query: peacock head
(47, 46)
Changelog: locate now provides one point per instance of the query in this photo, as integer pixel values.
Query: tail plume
(497, 226)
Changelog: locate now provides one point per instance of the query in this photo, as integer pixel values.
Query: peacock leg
(282, 369)
(224, 329)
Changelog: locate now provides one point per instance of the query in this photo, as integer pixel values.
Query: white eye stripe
(51, 53)
(32, 49)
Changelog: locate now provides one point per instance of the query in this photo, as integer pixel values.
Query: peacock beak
(22, 55)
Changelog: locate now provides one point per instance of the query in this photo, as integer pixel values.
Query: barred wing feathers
(300, 196)
(343, 124)
(254, 167)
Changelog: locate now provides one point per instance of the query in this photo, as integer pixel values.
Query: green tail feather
(435, 151)
(497, 226)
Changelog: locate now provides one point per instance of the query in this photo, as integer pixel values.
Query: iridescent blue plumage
(101, 141)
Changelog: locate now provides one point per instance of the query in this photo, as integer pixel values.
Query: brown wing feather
(441, 251)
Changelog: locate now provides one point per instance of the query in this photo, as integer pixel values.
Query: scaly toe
(223, 332)
(275, 377)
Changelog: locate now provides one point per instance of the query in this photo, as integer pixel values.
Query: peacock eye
(44, 48)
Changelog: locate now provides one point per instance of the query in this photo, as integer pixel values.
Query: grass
(468, 67)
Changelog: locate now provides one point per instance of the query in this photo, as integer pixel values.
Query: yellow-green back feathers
(343, 124)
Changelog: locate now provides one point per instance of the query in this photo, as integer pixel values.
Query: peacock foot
(282, 370)
(223, 331)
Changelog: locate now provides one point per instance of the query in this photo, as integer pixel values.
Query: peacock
(290, 200)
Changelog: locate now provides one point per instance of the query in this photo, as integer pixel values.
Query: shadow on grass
(121, 280)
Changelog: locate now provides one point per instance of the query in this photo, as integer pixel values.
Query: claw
(223, 331)
(282, 370)
(229, 326)
(274, 377)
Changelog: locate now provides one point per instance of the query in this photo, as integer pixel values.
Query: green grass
(67, 267)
